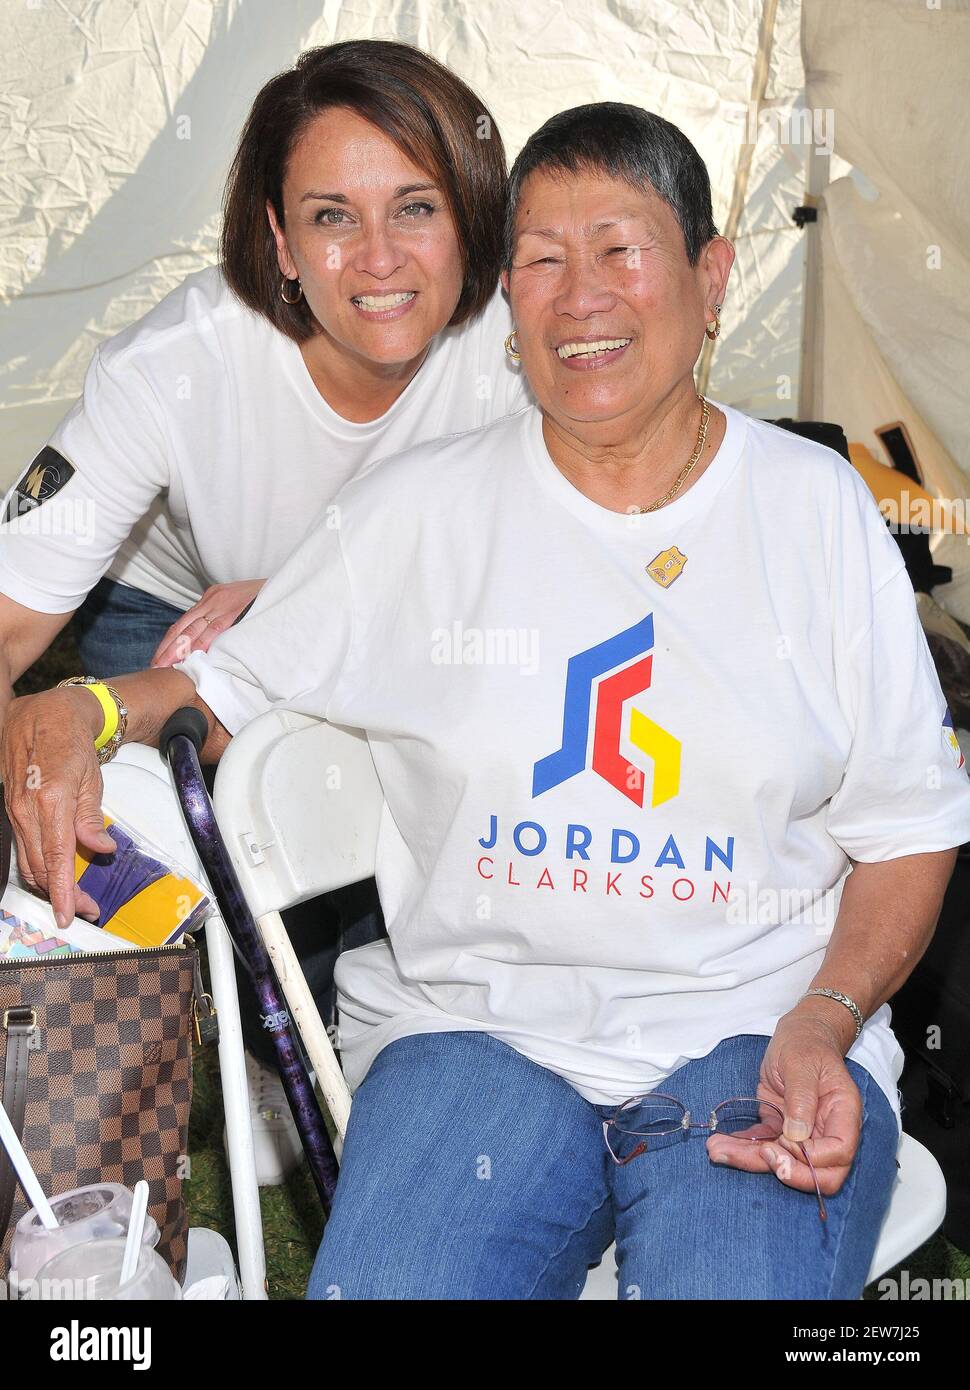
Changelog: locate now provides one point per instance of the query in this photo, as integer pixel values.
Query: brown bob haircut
(429, 114)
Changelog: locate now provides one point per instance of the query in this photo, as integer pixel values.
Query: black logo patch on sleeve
(43, 480)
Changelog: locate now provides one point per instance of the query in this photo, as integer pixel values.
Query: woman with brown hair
(356, 311)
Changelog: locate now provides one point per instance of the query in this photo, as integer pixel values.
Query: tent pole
(759, 84)
(809, 389)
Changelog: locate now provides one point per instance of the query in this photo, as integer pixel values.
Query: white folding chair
(299, 804)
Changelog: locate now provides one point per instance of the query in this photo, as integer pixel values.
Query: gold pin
(667, 566)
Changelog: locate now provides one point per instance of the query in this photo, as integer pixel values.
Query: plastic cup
(92, 1271)
(100, 1211)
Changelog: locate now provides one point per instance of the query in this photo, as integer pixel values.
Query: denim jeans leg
(118, 628)
(468, 1172)
(691, 1229)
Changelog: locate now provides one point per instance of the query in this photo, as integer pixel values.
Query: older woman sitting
(671, 801)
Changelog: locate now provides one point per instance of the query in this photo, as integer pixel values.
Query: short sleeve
(290, 648)
(63, 521)
(905, 789)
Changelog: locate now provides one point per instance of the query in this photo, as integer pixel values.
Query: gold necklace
(698, 450)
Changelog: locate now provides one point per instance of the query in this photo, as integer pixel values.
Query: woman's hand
(803, 1072)
(52, 787)
(217, 609)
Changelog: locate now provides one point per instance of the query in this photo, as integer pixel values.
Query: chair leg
(235, 1095)
(307, 1018)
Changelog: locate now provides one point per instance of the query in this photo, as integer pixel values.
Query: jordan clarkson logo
(599, 683)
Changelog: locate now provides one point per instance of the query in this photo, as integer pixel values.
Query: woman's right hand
(52, 787)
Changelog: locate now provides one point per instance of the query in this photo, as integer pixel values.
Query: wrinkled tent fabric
(894, 333)
(895, 72)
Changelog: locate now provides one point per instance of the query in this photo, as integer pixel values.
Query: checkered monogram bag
(97, 1076)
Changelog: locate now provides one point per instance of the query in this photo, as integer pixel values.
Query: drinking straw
(136, 1226)
(26, 1174)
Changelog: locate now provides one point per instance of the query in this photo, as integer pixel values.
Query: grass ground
(292, 1220)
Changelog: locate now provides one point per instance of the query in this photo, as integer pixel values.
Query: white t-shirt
(200, 451)
(618, 811)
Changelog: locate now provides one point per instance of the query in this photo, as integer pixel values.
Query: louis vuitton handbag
(96, 1065)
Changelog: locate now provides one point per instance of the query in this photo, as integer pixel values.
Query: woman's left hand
(803, 1072)
(200, 625)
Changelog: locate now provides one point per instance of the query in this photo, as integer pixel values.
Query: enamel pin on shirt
(667, 566)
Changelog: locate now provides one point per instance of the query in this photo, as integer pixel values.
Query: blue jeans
(470, 1172)
(118, 629)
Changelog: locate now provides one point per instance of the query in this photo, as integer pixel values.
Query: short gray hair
(627, 143)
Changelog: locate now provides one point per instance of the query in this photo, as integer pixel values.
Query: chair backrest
(299, 805)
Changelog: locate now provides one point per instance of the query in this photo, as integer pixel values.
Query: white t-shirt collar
(298, 373)
(688, 504)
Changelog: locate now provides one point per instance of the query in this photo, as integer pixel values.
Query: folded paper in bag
(143, 896)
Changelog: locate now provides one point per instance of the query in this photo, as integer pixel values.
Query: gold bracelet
(115, 725)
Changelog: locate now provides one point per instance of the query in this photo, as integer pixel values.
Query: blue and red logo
(601, 686)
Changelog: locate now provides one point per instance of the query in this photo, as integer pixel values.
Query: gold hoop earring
(283, 285)
(512, 348)
(717, 324)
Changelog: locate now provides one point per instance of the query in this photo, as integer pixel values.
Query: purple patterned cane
(180, 742)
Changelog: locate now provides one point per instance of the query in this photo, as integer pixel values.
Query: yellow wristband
(106, 701)
(115, 725)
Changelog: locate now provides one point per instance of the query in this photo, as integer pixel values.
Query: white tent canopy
(895, 341)
(121, 120)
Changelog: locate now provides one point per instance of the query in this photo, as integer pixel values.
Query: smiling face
(371, 239)
(609, 312)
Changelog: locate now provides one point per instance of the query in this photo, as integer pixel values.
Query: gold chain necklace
(698, 450)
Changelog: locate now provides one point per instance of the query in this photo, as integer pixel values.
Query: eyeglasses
(650, 1121)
